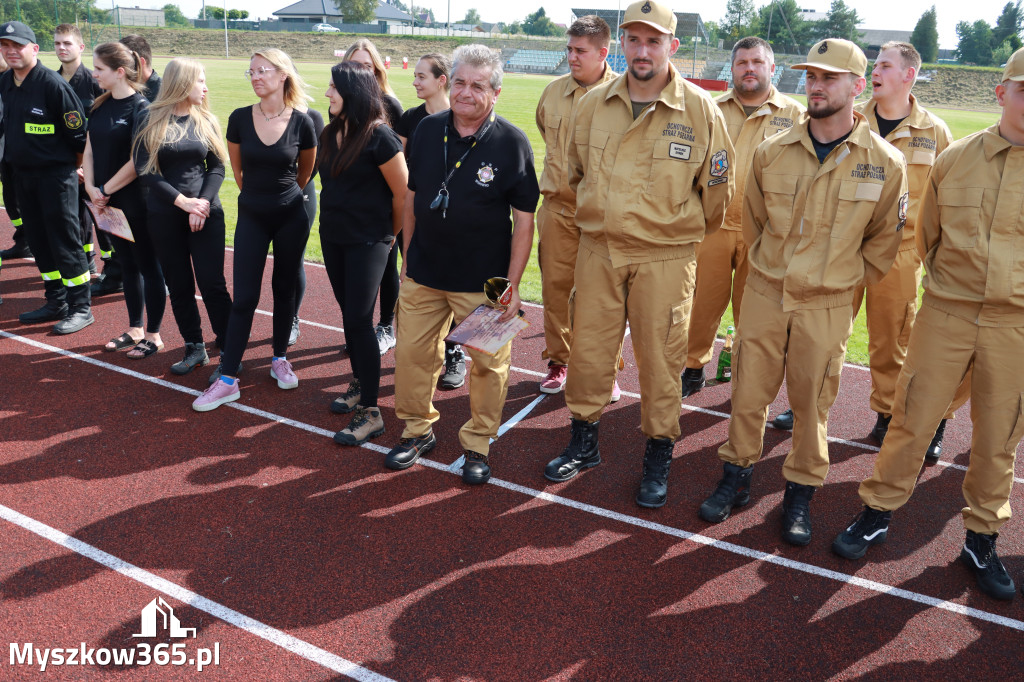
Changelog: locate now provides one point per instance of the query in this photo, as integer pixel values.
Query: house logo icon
(170, 622)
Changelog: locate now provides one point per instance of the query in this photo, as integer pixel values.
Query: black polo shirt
(474, 242)
(84, 85)
(44, 125)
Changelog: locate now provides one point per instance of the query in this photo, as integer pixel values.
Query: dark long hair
(118, 56)
(361, 112)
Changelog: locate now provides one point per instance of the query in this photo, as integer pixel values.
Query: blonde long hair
(295, 89)
(180, 77)
(378, 64)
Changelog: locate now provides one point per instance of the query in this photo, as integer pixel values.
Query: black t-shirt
(355, 205)
(153, 85)
(187, 167)
(476, 236)
(392, 109)
(111, 127)
(84, 85)
(268, 171)
(823, 149)
(886, 125)
(410, 119)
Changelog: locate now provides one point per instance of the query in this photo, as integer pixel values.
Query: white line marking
(241, 621)
(757, 555)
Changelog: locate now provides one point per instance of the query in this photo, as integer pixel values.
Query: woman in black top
(110, 181)
(363, 178)
(272, 147)
(179, 156)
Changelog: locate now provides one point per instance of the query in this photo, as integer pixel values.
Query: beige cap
(1014, 70)
(656, 15)
(836, 55)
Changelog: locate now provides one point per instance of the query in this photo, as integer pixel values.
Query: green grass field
(229, 90)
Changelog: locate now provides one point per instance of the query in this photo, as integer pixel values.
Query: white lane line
(754, 554)
(277, 637)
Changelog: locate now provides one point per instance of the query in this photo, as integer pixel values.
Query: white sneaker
(385, 338)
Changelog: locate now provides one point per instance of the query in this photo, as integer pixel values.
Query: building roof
(687, 24)
(327, 8)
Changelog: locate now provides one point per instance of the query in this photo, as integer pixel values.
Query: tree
(840, 22)
(235, 14)
(40, 14)
(738, 16)
(926, 36)
(539, 24)
(174, 17)
(472, 18)
(214, 12)
(1008, 27)
(779, 22)
(357, 11)
(975, 43)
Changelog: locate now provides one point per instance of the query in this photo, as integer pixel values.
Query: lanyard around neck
(458, 164)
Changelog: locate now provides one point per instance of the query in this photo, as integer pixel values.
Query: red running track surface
(305, 560)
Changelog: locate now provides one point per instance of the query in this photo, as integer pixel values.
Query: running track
(305, 560)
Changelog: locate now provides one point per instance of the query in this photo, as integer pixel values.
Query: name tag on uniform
(39, 128)
(679, 151)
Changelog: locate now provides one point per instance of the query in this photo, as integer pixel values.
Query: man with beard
(754, 111)
(824, 208)
(650, 164)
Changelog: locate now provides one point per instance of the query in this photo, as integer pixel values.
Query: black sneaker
(934, 450)
(870, 527)
(477, 468)
(454, 368)
(881, 427)
(50, 312)
(106, 284)
(796, 514)
(16, 251)
(693, 380)
(581, 453)
(979, 555)
(75, 321)
(408, 450)
(732, 491)
(784, 421)
(654, 480)
(195, 356)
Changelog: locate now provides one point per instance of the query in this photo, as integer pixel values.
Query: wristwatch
(103, 191)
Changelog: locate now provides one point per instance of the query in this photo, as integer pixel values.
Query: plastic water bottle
(725, 357)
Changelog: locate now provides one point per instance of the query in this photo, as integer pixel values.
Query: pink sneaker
(616, 392)
(281, 370)
(216, 395)
(554, 382)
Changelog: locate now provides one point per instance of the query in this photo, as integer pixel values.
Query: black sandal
(143, 349)
(120, 343)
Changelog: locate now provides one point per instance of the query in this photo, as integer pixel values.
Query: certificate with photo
(112, 220)
(482, 331)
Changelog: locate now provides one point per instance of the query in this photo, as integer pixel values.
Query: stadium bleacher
(535, 61)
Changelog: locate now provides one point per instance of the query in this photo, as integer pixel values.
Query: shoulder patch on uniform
(717, 181)
(719, 163)
(901, 211)
(679, 151)
(73, 119)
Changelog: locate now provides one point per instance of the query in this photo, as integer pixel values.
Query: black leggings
(179, 250)
(143, 278)
(309, 196)
(287, 228)
(355, 271)
(389, 287)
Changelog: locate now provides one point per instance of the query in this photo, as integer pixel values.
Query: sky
(877, 14)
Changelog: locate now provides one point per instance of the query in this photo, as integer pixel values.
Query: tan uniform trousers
(718, 256)
(655, 299)
(892, 309)
(808, 347)
(942, 349)
(556, 251)
(423, 318)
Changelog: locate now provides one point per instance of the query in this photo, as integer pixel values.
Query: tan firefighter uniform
(892, 302)
(971, 232)
(815, 232)
(647, 191)
(559, 239)
(724, 252)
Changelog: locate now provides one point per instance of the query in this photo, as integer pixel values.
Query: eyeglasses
(260, 72)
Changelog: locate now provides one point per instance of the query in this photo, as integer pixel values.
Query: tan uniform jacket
(649, 189)
(971, 231)
(556, 118)
(777, 114)
(816, 231)
(921, 137)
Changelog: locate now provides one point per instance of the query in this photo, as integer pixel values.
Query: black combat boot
(581, 453)
(654, 483)
(732, 491)
(796, 513)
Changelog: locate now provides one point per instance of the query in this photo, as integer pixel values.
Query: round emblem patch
(646, 9)
(485, 174)
(823, 49)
